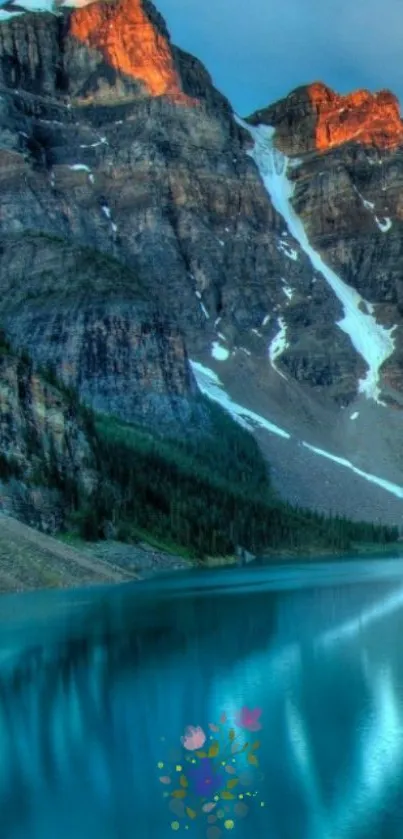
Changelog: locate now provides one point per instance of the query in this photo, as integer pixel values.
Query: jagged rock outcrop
(41, 437)
(125, 45)
(315, 118)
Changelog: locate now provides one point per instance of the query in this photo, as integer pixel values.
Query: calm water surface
(292, 680)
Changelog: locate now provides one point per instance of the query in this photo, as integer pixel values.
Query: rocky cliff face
(136, 227)
(88, 318)
(104, 333)
(119, 142)
(41, 437)
(347, 190)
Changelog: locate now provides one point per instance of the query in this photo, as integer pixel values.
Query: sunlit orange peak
(369, 118)
(130, 43)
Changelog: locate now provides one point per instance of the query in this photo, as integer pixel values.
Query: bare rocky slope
(136, 231)
(31, 560)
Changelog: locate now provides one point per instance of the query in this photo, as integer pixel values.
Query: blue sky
(259, 50)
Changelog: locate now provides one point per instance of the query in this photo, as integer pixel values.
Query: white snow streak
(204, 310)
(394, 489)
(106, 211)
(385, 225)
(288, 292)
(287, 251)
(210, 384)
(36, 5)
(219, 352)
(80, 167)
(91, 145)
(355, 415)
(278, 345)
(367, 204)
(46, 5)
(371, 340)
(4, 15)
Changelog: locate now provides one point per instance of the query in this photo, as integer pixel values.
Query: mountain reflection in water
(293, 677)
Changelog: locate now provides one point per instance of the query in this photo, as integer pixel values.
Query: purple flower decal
(249, 718)
(204, 778)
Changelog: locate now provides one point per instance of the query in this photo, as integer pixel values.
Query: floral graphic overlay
(213, 776)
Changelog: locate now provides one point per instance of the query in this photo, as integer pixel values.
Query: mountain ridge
(314, 117)
(161, 189)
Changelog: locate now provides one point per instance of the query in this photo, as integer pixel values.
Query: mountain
(154, 244)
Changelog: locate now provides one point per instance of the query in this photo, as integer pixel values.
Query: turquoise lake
(258, 702)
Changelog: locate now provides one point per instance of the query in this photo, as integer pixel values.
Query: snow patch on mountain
(287, 290)
(278, 345)
(371, 340)
(218, 352)
(209, 384)
(80, 167)
(287, 250)
(107, 213)
(51, 6)
(33, 5)
(4, 15)
(384, 225)
(395, 489)
(102, 142)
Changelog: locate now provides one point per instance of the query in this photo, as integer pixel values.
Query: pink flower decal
(248, 718)
(194, 738)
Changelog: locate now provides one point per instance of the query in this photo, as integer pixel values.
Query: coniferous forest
(205, 493)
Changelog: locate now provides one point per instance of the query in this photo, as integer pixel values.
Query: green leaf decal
(214, 749)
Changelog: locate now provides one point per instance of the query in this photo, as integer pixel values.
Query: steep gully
(370, 339)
